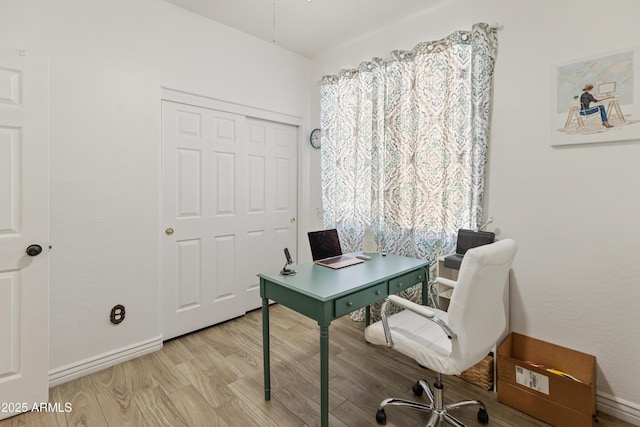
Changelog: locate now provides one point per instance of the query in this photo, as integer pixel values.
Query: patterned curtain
(404, 144)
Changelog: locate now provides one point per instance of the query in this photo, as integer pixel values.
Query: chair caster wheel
(381, 417)
(483, 416)
(417, 389)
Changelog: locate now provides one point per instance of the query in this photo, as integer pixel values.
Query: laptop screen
(468, 239)
(324, 244)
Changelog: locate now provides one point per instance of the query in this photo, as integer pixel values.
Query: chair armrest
(420, 310)
(447, 282)
(410, 305)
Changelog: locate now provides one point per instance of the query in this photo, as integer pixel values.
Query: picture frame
(613, 79)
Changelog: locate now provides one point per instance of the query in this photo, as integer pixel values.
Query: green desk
(324, 294)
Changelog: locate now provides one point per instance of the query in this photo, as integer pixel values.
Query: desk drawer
(406, 281)
(360, 299)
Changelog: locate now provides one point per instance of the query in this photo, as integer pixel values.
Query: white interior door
(218, 182)
(24, 223)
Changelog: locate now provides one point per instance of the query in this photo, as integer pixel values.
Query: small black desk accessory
(285, 270)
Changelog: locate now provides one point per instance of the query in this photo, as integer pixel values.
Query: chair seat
(418, 338)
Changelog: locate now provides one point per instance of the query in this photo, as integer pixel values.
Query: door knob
(34, 250)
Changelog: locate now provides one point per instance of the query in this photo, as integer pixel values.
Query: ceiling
(308, 28)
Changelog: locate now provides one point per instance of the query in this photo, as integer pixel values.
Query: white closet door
(221, 226)
(272, 201)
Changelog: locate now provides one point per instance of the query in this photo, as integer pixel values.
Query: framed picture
(596, 99)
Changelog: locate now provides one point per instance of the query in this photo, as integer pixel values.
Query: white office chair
(453, 341)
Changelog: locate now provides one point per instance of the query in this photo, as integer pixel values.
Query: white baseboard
(94, 364)
(619, 408)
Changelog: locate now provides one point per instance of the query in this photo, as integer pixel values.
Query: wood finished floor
(214, 377)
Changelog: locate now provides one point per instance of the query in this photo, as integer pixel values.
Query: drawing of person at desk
(586, 99)
(589, 96)
(608, 107)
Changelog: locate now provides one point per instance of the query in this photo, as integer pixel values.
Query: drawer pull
(377, 292)
(349, 304)
(419, 276)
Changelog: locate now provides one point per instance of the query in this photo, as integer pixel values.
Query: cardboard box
(525, 384)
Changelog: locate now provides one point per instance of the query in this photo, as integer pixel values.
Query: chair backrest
(477, 312)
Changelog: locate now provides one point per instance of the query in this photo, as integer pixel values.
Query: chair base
(439, 411)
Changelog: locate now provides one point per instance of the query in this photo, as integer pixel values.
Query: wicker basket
(481, 374)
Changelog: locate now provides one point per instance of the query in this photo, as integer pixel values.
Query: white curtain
(404, 144)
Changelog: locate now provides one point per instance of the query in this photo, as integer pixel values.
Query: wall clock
(314, 138)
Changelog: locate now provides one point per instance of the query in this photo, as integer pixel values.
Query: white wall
(571, 210)
(109, 60)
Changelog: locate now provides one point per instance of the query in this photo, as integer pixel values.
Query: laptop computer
(326, 250)
(467, 239)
